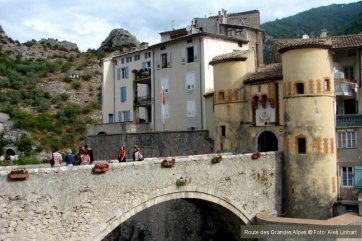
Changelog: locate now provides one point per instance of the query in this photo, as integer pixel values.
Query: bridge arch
(121, 215)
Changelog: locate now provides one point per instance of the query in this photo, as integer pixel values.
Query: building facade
(307, 107)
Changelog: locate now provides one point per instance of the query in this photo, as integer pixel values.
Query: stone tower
(310, 182)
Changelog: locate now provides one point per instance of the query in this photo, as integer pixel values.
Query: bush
(25, 144)
(76, 85)
(86, 77)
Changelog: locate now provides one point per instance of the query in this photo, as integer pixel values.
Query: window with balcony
(347, 139)
(347, 176)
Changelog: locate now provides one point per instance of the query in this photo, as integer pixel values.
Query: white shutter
(168, 59)
(196, 54)
(190, 108)
(159, 62)
(190, 81)
(183, 55)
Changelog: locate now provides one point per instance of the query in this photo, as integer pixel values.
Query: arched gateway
(267, 141)
(238, 217)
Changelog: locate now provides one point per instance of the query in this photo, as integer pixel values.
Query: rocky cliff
(119, 39)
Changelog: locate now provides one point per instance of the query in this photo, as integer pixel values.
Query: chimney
(324, 33)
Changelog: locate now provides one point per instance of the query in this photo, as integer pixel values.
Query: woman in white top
(57, 157)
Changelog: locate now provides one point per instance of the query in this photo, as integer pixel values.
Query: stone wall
(117, 128)
(154, 144)
(72, 203)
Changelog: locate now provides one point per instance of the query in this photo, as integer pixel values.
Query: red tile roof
(233, 56)
(266, 73)
(346, 41)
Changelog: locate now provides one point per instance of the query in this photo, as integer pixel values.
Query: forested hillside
(336, 18)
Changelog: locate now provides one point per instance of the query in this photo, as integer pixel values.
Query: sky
(88, 22)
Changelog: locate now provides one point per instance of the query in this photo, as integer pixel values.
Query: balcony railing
(349, 120)
(345, 87)
(143, 100)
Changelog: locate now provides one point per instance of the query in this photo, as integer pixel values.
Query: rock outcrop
(119, 39)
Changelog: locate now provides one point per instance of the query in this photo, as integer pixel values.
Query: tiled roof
(267, 72)
(338, 42)
(346, 41)
(233, 56)
(288, 44)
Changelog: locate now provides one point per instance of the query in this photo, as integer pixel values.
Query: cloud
(88, 22)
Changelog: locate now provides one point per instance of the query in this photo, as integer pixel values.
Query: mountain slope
(336, 18)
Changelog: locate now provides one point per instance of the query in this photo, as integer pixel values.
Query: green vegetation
(51, 121)
(336, 18)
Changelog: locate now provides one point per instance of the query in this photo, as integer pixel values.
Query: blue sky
(88, 22)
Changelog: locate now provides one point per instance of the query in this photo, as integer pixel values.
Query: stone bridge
(73, 203)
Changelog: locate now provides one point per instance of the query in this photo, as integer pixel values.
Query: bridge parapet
(72, 203)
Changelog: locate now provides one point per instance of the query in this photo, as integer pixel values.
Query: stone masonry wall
(154, 144)
(72, 203)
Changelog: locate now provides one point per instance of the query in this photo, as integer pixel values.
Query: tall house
(182, 75)
(126, 87)
(310, 179)
(242, 25)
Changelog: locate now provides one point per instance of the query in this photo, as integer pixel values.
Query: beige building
(179, 63)
(182, 67)
(307, 106)
(126, 87)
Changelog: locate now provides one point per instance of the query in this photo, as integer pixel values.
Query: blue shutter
(123, 94)
(119, 116)
(118, 73)
(110, 118)
(126, 73)
(358, 177)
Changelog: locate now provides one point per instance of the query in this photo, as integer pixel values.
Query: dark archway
(267, 141)
(178, 220)
(102, 133)
(10, 152)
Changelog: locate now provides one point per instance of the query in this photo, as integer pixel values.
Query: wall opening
(180, 219)
(267, 141)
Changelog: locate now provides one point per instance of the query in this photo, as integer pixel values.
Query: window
(326, 85)
(165, 84)
(223, 131)
(300, 88)
(124, 73)
(124, 116)
(129, 59)
(122, 60)
(163, 61)
(221, 96)
(190, 54)
(147, 55)
(346, 139)
(118, 73)
(146, 65)
(349, 72)
(136, 57)
(301, 145)
(123, 94)
(347, 174)
(110, 118)
(190, 81)
(190, 108)
(165, 113)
